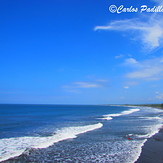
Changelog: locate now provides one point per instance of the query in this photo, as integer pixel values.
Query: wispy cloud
(150, 32)
(159, 95)
(131, 61)
(86, 85)
(119, 56)
(159, 2)
(76, 86)
(126, 87)
(151, 69)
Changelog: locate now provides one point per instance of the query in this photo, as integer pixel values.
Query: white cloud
(119, 56)
(151, 69)
(148, 73)
(77, 86)
(150, 32)
(86, 85)
(159, 96)
(131, 61)
(126, 87)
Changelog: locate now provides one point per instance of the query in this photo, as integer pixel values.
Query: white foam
(151, 118)
(109, 116)
(139, 150)
(12, 147)
(106, 118)
(152, 130)
(145, 136)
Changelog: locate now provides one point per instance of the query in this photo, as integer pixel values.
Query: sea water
(75, 133)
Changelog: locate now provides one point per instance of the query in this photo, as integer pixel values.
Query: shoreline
(156, 106)
(152, 149)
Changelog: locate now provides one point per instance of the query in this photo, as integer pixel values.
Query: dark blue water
(74, 133)
(23, 120)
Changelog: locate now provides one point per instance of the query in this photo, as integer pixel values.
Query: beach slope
(152, 151)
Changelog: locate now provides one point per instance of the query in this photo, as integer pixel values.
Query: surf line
(126, 112)
(12, 147)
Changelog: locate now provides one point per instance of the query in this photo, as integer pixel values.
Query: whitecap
(126, 112)
(12, 147)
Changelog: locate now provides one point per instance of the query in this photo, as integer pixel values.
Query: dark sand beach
(152, 151)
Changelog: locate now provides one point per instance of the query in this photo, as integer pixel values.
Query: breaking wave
(12, 147)
(109, 116)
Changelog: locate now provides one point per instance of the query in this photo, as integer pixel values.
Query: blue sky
(78, 52)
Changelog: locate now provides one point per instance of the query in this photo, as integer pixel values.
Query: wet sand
(152, 151)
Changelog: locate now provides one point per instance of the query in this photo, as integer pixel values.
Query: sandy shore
(152, 151)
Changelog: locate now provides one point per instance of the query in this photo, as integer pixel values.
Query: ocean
(75, 133)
